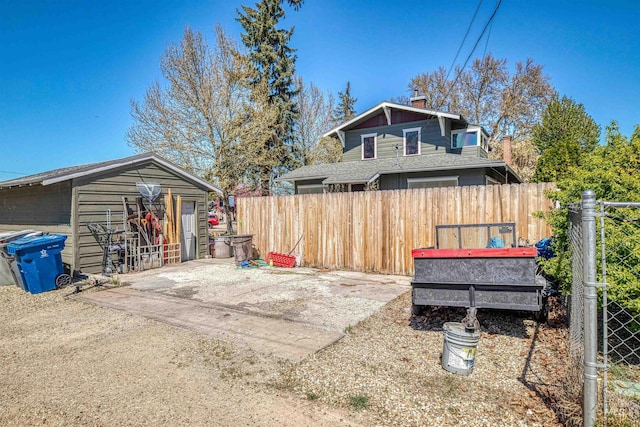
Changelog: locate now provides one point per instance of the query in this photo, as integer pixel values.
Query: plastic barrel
(459, 348)
(222, 247)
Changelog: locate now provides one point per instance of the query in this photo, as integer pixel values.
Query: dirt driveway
(289, 313)
(65, 362)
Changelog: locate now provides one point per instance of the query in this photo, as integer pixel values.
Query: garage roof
(65, 174)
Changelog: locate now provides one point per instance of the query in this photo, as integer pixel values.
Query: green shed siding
(36, 204)
(390, 136)
(98, 193)
(39, 208)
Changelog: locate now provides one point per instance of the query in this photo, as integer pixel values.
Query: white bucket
(459, 348)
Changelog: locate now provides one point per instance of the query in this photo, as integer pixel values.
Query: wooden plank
(178, 220)
(375, 230)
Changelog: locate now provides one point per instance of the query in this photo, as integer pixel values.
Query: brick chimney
(418, 101)
(506, 149)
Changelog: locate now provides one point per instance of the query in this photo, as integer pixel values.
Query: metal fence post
(590, 403)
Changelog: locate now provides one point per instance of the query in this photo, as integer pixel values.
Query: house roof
(364, 171)
(65, 174)
(386, 106)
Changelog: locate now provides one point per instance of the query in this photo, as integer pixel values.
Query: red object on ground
(476, 253)
(281, 260)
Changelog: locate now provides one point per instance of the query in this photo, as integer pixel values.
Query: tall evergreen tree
(274, 63)
(345, 109)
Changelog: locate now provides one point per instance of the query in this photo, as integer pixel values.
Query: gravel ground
(68, 363)
(392, 361)
(64, 362)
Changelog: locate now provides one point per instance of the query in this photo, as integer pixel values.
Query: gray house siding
(470, 151)
(434, 158)
(465, 177)
(390, 136)
(97, 194)
(307, 182)
(39, 208)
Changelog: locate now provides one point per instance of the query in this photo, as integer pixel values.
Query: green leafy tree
(274, 62)
(612, 171)
(345, 110)
(565, 134)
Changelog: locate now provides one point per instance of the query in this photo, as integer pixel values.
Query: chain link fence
(576, 303)
(619, 269)
(605, 245)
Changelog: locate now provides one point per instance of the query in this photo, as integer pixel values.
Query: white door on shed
(188, 237)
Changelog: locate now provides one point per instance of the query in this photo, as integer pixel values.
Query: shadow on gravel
(501, 322)
(548, 370)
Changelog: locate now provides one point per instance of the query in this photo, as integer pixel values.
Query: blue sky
(69, 68)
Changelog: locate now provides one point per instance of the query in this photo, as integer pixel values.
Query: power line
(493, 15)
(463, 40)
(15, 173)
(486, 43)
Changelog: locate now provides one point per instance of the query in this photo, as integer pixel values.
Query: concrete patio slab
(289, 313)
(281, 338)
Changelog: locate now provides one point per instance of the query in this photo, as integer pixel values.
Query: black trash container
(242, 247)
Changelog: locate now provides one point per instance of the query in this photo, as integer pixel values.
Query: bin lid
(28, 242)
(13, 235)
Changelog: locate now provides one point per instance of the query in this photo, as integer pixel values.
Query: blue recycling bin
(39, 261)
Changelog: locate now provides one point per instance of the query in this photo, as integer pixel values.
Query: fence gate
(605, 308)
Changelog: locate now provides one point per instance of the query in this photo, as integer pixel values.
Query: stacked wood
(169, 224)
(172, 228)
(178, 218)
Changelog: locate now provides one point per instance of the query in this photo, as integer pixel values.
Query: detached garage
(74, 200)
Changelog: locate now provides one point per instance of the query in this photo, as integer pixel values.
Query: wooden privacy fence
(375, 231)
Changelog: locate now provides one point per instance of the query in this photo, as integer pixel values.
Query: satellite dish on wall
(149, 191)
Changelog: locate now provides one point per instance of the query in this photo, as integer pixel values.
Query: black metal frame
(488, 226)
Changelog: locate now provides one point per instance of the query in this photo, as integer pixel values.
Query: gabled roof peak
(386, 107)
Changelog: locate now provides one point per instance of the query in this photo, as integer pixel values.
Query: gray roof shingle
(362, 171)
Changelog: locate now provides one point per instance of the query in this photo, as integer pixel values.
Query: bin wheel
(417, 310)
(63, 280)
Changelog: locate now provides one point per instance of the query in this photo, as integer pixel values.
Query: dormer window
(469, 138)
(412, 141)
(369, 146)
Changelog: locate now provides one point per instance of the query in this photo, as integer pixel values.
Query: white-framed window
(464, 138)
(432, 182)
(469, 138)
(490, 181)
(310, 189)
(484, 142)
(369, 146)
(412, 140)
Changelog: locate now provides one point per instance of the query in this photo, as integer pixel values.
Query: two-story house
(394, 146)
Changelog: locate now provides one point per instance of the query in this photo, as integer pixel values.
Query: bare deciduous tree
(489, 95)
(524, 157)
(314, 118)
(204, 117)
